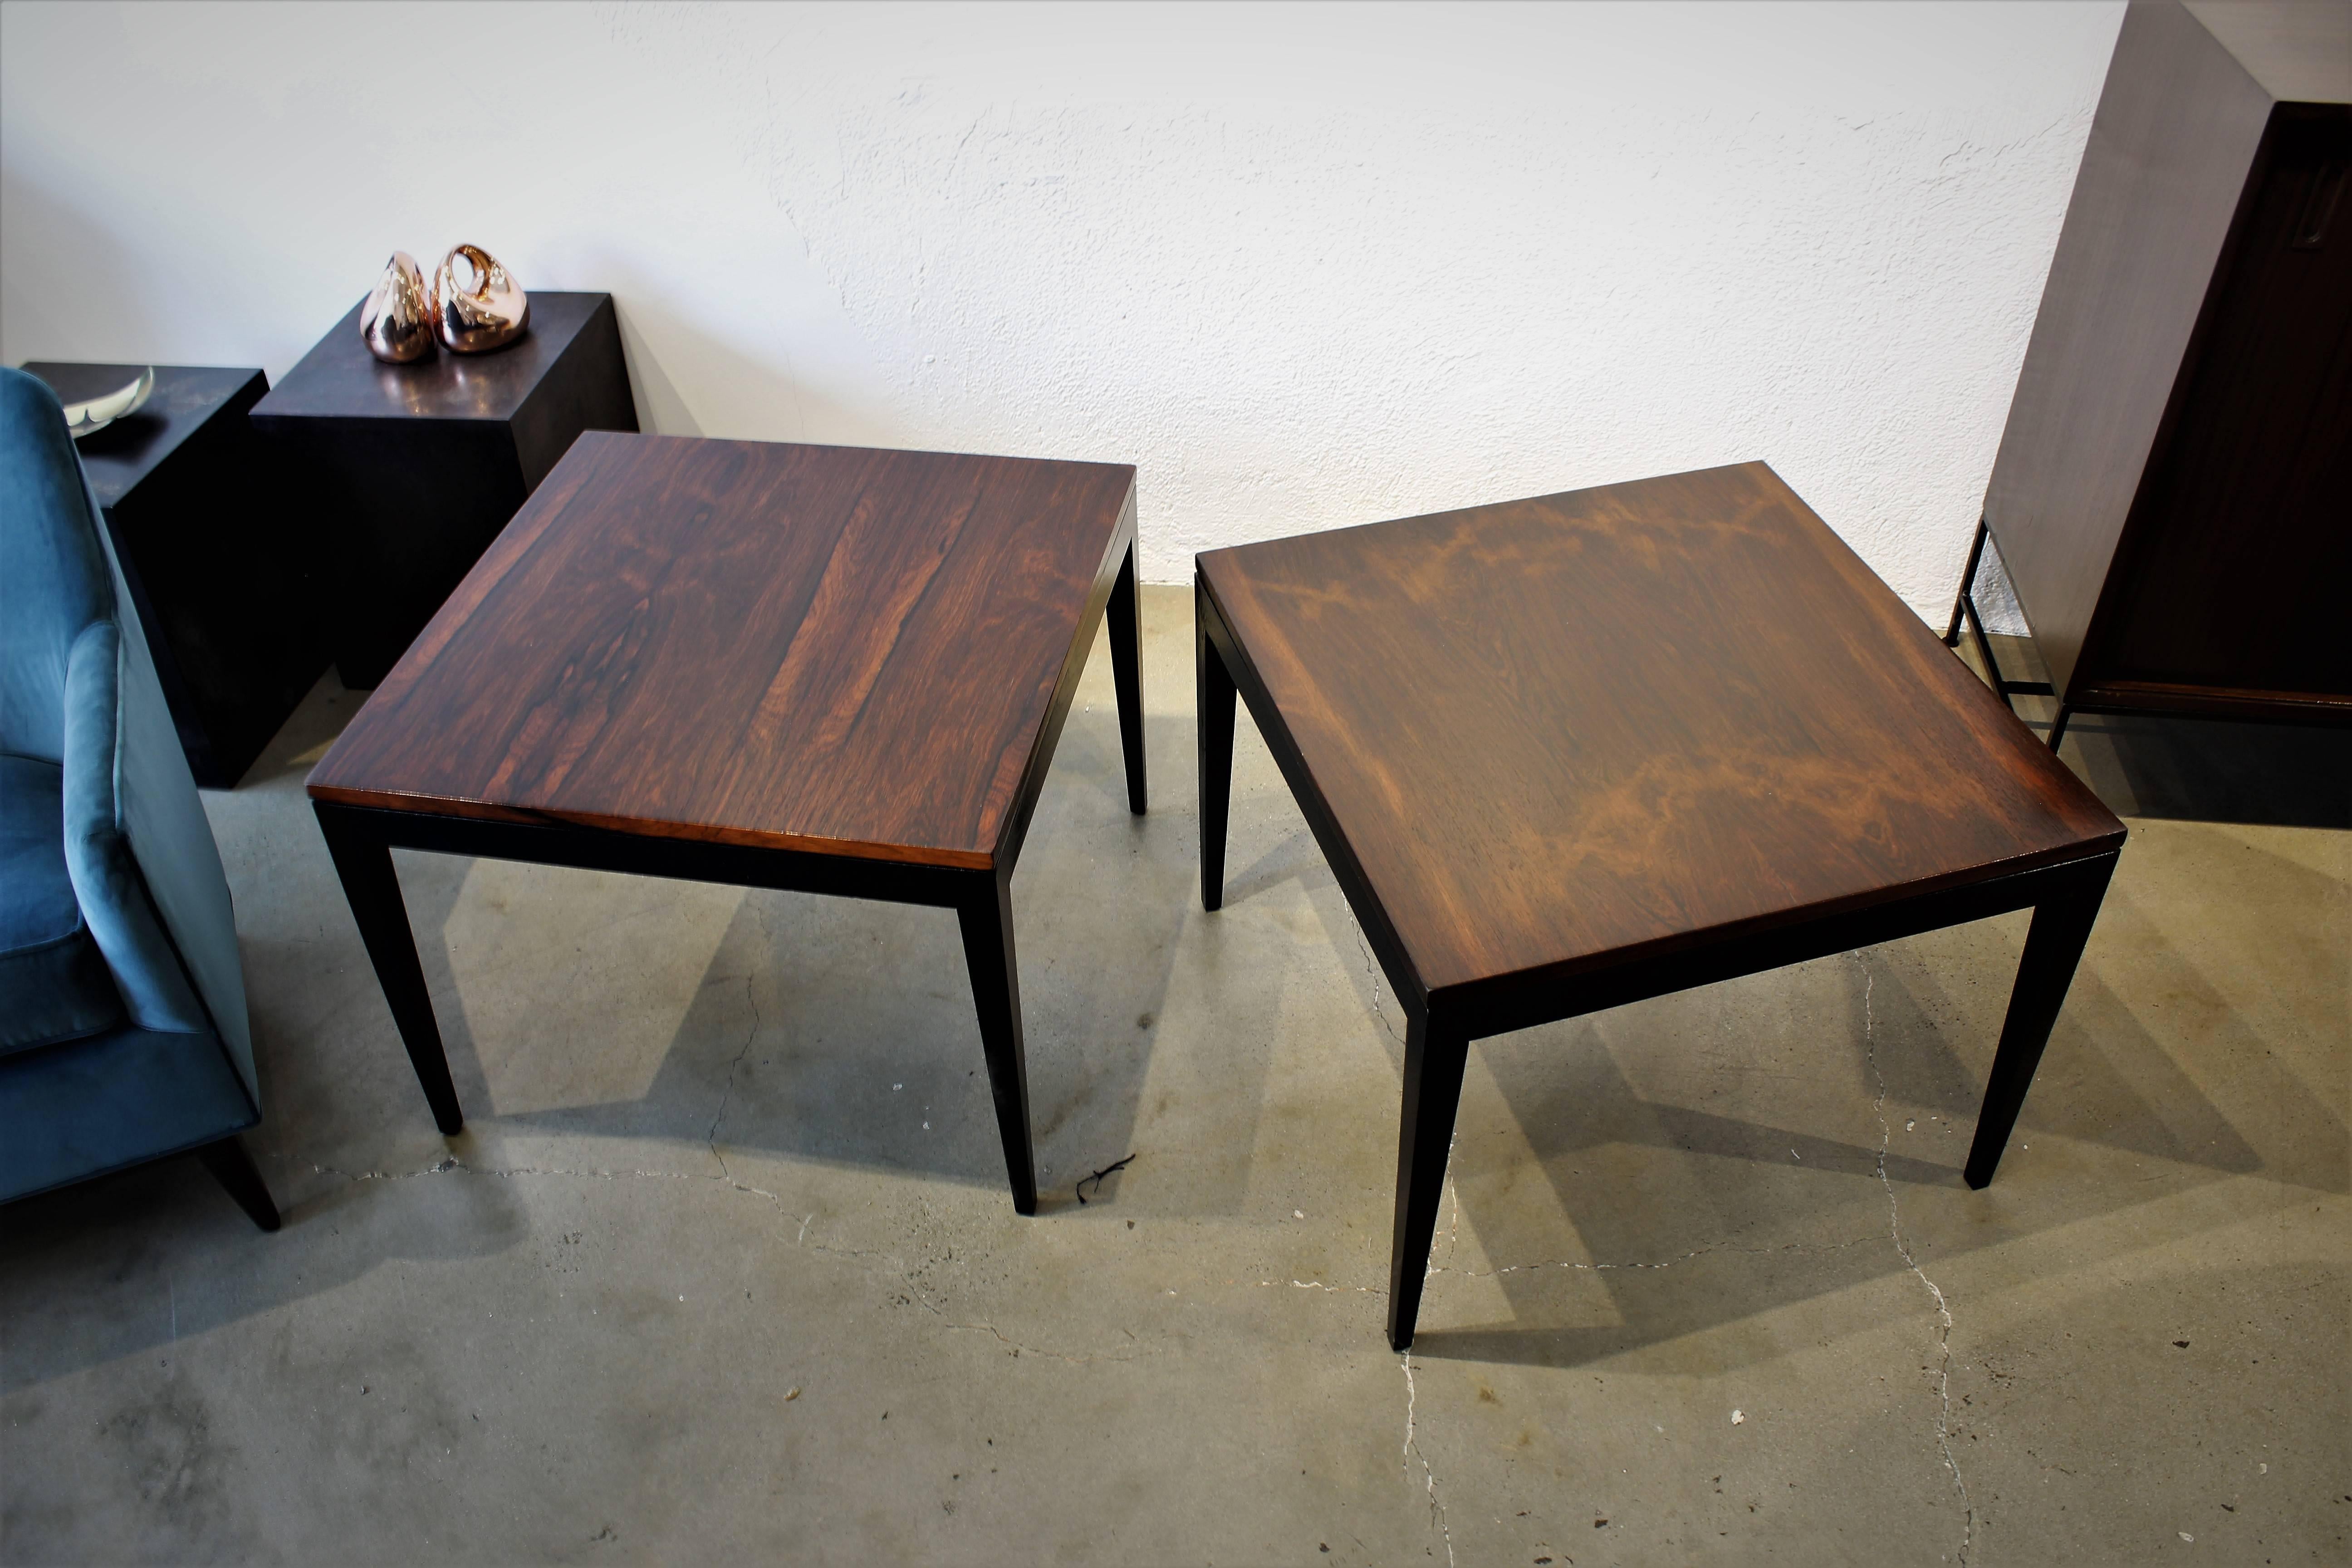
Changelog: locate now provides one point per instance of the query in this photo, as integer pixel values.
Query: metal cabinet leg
(1967, 584)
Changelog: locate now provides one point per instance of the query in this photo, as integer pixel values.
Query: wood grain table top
(823, 648)
(1558, 731)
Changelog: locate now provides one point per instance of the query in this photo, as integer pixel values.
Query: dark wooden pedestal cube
(414, 469)
(201, 517)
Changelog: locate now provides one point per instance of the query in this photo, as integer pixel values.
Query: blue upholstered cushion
(94, 1105)
(106, 874)
(54, 984)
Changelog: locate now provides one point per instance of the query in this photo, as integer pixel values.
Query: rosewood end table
(1570, 753)
(825, 668)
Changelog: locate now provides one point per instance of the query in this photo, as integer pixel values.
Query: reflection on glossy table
(1570, 753)
(828, 668)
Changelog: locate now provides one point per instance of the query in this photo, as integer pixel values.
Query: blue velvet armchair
(123, 1035)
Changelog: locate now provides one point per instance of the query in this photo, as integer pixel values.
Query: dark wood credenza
(2173, 496)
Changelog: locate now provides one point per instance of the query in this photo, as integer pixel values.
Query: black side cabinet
(412, 470)
(201, 520)
(2173, 498)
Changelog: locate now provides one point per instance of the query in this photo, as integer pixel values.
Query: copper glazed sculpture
(477, 305)
(397, 321)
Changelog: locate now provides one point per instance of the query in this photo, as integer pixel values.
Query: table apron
(682, 859)
(1519, 1001)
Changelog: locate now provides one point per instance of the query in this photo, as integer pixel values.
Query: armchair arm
(163, 821)
(114, 898)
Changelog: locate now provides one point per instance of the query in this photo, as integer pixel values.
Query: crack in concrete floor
(1894, 1231)
(2248, 915)
(1372, 969)
(1334, 1290)
(1453, 1237)
(1667, 1263)
(1412, 1450)
(1720, 1249)
(750, 1000)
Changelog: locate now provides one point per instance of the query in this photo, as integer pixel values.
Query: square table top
(823, 648)
(340, 379)
(185, 397)
(1560, 731)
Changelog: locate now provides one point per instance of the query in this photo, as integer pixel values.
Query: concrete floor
(723, 1266)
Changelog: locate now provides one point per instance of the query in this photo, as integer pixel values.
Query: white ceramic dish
(97, 413)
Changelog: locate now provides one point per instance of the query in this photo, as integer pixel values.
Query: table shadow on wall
(732, 395)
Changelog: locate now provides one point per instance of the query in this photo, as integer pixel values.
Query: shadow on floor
(2198, 770)
(1610, 1108)
(836, 1030)
(825, 1030)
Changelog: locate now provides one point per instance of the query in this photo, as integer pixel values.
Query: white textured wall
(1306, 267)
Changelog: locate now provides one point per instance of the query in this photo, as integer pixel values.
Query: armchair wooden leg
(233, 1168)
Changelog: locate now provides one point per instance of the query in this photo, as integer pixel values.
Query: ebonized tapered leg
(2058, 725)
(2053, 945)
(986, 915)
(1433, 1059)
(1215, 686)
(1125, 615)
(364, 864)
(233, 1169)
(1967, 584)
